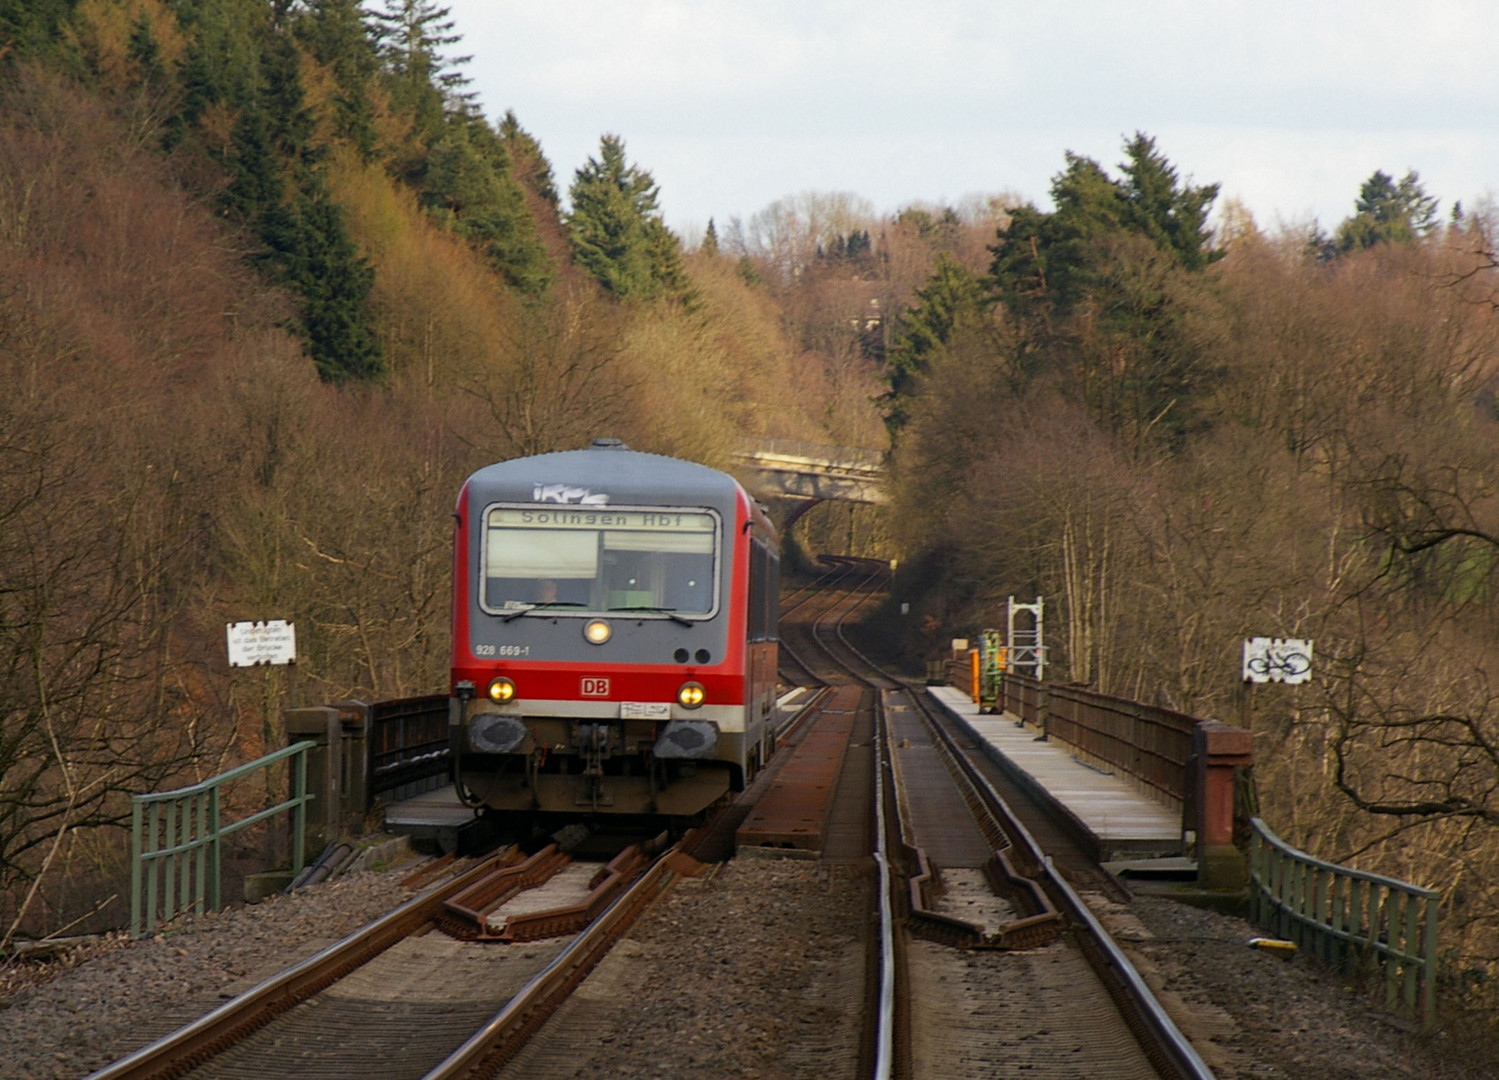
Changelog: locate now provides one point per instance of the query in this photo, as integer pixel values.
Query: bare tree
(556, 381)
(92, 704)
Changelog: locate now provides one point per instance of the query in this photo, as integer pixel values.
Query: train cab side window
(773, 597)
(759, 558)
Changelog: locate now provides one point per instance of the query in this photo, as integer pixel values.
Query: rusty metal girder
(793, 812)
(469, 910)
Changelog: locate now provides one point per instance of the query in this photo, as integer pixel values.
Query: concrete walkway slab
(437, 807)
(1122, 821)
(437, 819)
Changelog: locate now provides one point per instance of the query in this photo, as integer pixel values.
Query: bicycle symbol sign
(1282, 660)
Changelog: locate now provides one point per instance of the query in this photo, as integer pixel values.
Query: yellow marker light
(691, 695)
(597, 631)
(501, 690)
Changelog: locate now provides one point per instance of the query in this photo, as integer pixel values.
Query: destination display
(503, 517)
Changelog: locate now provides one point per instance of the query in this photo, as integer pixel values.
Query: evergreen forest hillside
(272, 284)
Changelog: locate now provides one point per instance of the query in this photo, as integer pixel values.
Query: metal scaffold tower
(1026, 644)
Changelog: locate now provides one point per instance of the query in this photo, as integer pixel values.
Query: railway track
(800, 610)
(962, 978)
(991, 963)
(449, 985)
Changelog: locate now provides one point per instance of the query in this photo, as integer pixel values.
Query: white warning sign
(1282, 660)
(254, 643)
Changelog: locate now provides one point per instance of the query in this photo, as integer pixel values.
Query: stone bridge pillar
(1218, 750)
(336, 767)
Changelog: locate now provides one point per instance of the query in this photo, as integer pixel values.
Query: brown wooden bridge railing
(1148, 743)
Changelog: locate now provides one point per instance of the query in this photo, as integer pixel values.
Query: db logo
(595, 687)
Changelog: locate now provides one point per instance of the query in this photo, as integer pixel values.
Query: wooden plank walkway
(1123, 822)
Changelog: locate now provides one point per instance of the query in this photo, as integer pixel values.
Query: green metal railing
(1349, 919)
(176, 846)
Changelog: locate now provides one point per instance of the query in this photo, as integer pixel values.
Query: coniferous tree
(221, 66)
(1387, 212)
(283, 102)
(28, 27)
(1042, 257)
(668, 270)
(749, 273)
(1173, 215)
(710, 241)
(145, 53)
(259, 178)
(278, 191)
(951, 297)
(855, 249)
(941, 230)
(1055, 255)
(470, 186)
(530, 165)
(616, 232)
(309, 235)
(333, 32)
(610, 202)
(1097, 289)
(335, 282)
(410, 37)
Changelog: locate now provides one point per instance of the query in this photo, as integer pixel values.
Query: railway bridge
(812, 472)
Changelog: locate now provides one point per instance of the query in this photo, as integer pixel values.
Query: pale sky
(1289, 105)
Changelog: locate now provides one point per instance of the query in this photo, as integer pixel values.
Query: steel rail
(841, 568)
(189, 1046)
(489, 1048)
(785, 650)
(836, 569)
(885, 1012)
(810, 707)
(1137, 1002)
(1161, 1039)
(884, 1058)
(870, 584)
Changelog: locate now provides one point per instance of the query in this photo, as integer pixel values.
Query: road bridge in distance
(802, 470)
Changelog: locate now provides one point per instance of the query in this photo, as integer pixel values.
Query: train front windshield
(575, 559)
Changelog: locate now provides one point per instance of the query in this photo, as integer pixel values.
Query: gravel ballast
(116, 995)
(743, 972)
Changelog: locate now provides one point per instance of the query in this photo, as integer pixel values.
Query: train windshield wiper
(670, 613)
(540, 606)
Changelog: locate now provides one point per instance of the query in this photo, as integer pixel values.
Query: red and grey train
(614, 635)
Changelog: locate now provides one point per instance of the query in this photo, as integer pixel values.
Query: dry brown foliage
(1341, 487)
(169, 461)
